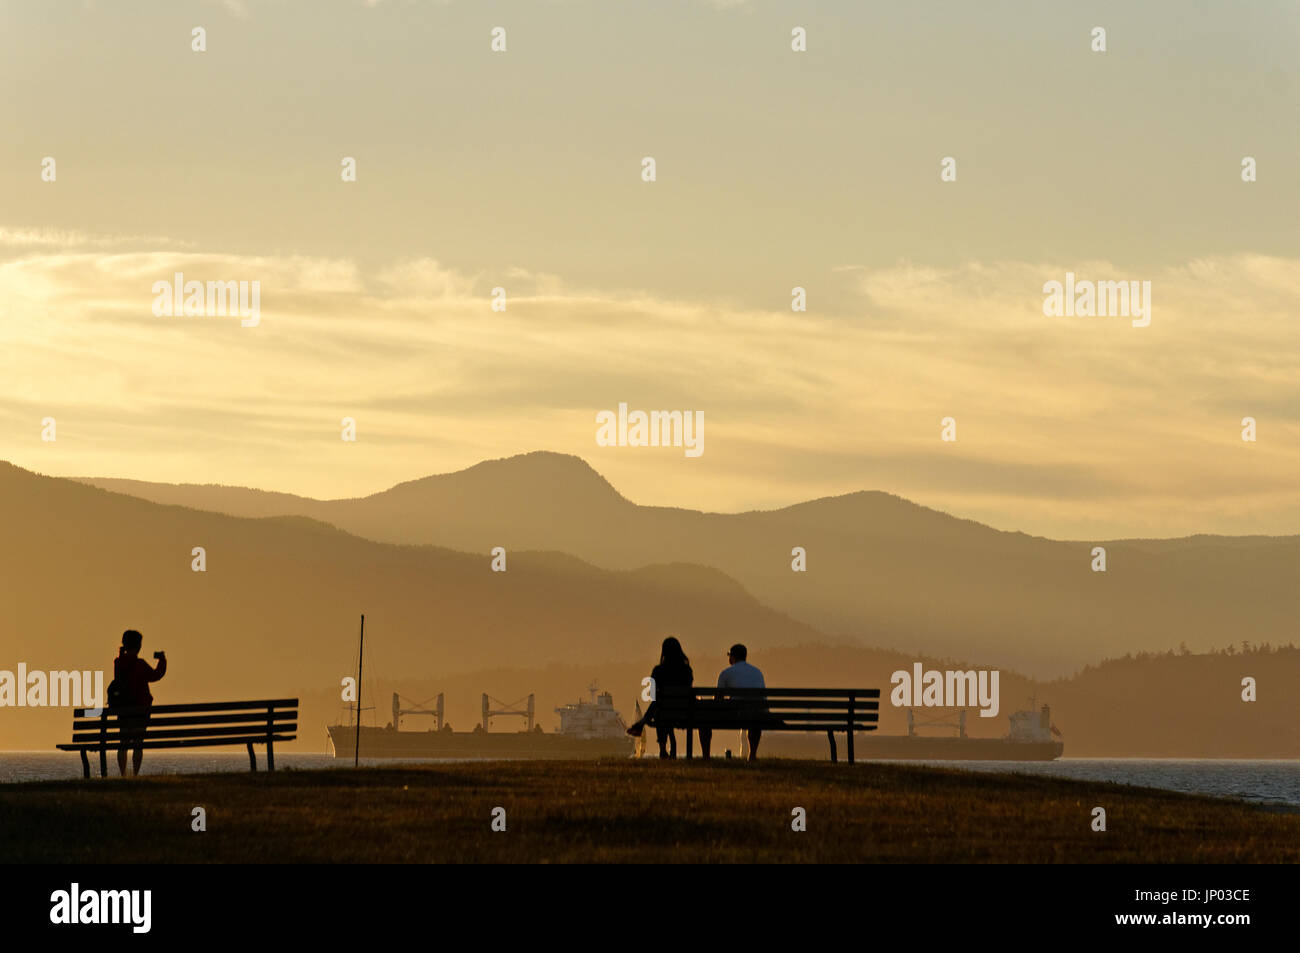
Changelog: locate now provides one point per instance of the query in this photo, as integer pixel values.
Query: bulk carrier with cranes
(588, 729)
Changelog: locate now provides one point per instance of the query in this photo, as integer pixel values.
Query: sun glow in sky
(775, 169)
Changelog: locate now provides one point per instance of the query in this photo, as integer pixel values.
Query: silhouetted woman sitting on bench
(673, 671)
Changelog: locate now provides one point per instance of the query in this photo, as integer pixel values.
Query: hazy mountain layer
(880, 570)
(276, 613)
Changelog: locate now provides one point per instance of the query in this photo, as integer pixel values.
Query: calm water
(1264, 782)
(1267, 782)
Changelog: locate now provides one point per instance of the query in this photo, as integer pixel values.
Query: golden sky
(775, 169)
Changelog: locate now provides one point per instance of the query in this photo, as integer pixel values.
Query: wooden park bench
(187, 726)
(771, 709)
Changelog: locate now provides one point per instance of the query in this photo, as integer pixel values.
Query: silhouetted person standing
(133, 675)
(673, 671)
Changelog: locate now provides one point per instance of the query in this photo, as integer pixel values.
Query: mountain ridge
(880, 569)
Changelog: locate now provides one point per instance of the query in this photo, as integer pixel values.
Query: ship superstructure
(594, 719)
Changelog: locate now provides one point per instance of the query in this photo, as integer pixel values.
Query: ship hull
(874, 747)
(505, 745)
(913, 748)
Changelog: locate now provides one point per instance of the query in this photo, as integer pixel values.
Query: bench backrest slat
(705, 692)
(185, 742)
(794, 709)
(114, 734)
(246, 719)
(201, 706)
(801, 704)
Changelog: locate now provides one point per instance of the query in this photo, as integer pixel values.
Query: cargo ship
(588, 729)
(1032, 738)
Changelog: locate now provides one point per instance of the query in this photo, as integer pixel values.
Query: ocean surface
(1274, 783)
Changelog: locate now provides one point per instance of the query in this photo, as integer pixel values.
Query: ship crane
(437, 712)
(944, 721)
(512, 709)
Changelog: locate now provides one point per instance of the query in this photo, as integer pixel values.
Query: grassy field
(628, 811)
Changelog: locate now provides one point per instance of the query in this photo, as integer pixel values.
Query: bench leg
(85, 764)
(690, 735)
(103, 761)
(850, 738)
(252, 758)
(270, 756)
(830, 736)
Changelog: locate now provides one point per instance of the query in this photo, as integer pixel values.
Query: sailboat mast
(361, 647)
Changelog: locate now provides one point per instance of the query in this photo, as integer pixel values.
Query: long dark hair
(672, 656)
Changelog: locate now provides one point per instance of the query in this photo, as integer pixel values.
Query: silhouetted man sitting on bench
(132, 676)
(740, 674)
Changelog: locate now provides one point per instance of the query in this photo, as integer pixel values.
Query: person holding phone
(132, 676)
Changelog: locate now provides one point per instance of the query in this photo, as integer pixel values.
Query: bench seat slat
(186, 743)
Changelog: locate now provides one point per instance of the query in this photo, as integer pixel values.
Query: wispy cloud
(18, 237)
(1071, 427)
